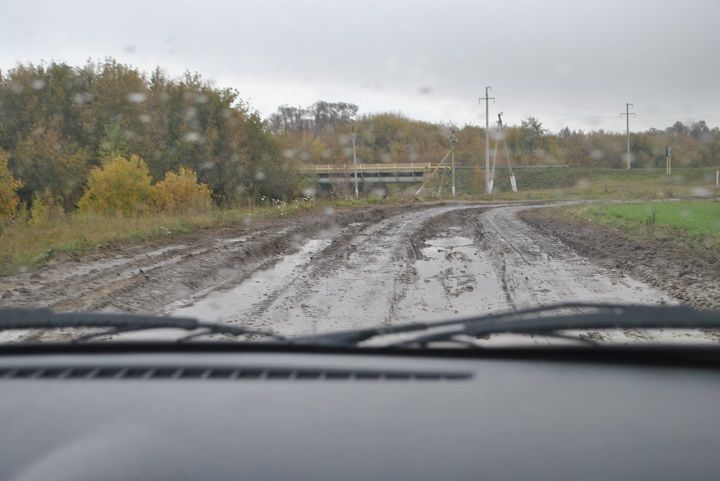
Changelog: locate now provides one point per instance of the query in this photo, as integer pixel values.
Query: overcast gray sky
(567, 62)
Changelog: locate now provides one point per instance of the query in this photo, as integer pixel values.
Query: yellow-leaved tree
(181, 192)
(119, 186)
(9, 199)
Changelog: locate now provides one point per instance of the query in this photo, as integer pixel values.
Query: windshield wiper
(545, 320)
(115, 323)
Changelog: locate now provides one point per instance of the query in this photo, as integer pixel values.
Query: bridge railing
(377, 167)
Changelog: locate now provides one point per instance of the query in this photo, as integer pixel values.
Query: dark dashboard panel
(498, 420)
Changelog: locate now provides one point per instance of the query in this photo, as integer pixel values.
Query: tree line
(58, 122)
(391, 137)
(63, 126)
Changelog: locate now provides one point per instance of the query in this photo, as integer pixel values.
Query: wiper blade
(40, 319)
(546, 319)
(627, 317)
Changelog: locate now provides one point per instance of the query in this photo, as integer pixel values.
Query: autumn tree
(45, 160)
(9, 186)
(57, 122)
(181, 192)
(119, 186)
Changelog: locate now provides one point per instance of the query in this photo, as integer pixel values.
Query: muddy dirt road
(339, 270)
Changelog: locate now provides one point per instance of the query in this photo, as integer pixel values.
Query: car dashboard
(328, 415)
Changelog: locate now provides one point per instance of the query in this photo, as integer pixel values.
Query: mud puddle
(453, 278)
(229, 306)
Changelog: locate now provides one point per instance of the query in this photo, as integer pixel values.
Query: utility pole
(668, 160)
(453, 142)
(627, 115)
(357, 194)
(487, 98)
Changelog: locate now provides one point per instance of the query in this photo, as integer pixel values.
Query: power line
(595, 106)
(567, 104)
(674, 114)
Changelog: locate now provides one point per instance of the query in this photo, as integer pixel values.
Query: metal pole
(487, 140)
(488, 188)
(453, 171)
(453, 141)
(627, 120)
(627, 115)
(357, 194)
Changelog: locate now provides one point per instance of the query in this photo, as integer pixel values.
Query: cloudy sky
(568, 62)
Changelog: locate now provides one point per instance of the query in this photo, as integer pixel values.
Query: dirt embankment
(677, 269)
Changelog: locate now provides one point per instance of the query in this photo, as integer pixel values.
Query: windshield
(305, 167)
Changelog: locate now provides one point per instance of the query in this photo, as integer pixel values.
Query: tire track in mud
(329, 259)
(453, 276)
(659, 261)
(540, 269)
(134, 278)
(359, 278)
(355, 269)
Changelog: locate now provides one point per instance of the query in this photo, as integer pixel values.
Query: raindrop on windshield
(15, 88)
(81, 98)
(193, 137)
(136, 97)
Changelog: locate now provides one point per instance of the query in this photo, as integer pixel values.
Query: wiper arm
(534, 321)
(39, 319)
(604, 317)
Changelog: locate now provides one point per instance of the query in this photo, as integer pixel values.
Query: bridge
(409, 172)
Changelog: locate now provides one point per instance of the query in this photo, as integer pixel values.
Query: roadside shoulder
(669, 264)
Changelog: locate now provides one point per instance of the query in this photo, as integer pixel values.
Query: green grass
(698, 219)
(580, 183)
(688, 227)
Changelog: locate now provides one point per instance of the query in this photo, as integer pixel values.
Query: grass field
(696, 219)
(574, 183)
(681, 229)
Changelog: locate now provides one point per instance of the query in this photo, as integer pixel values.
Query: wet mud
(342, 270)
